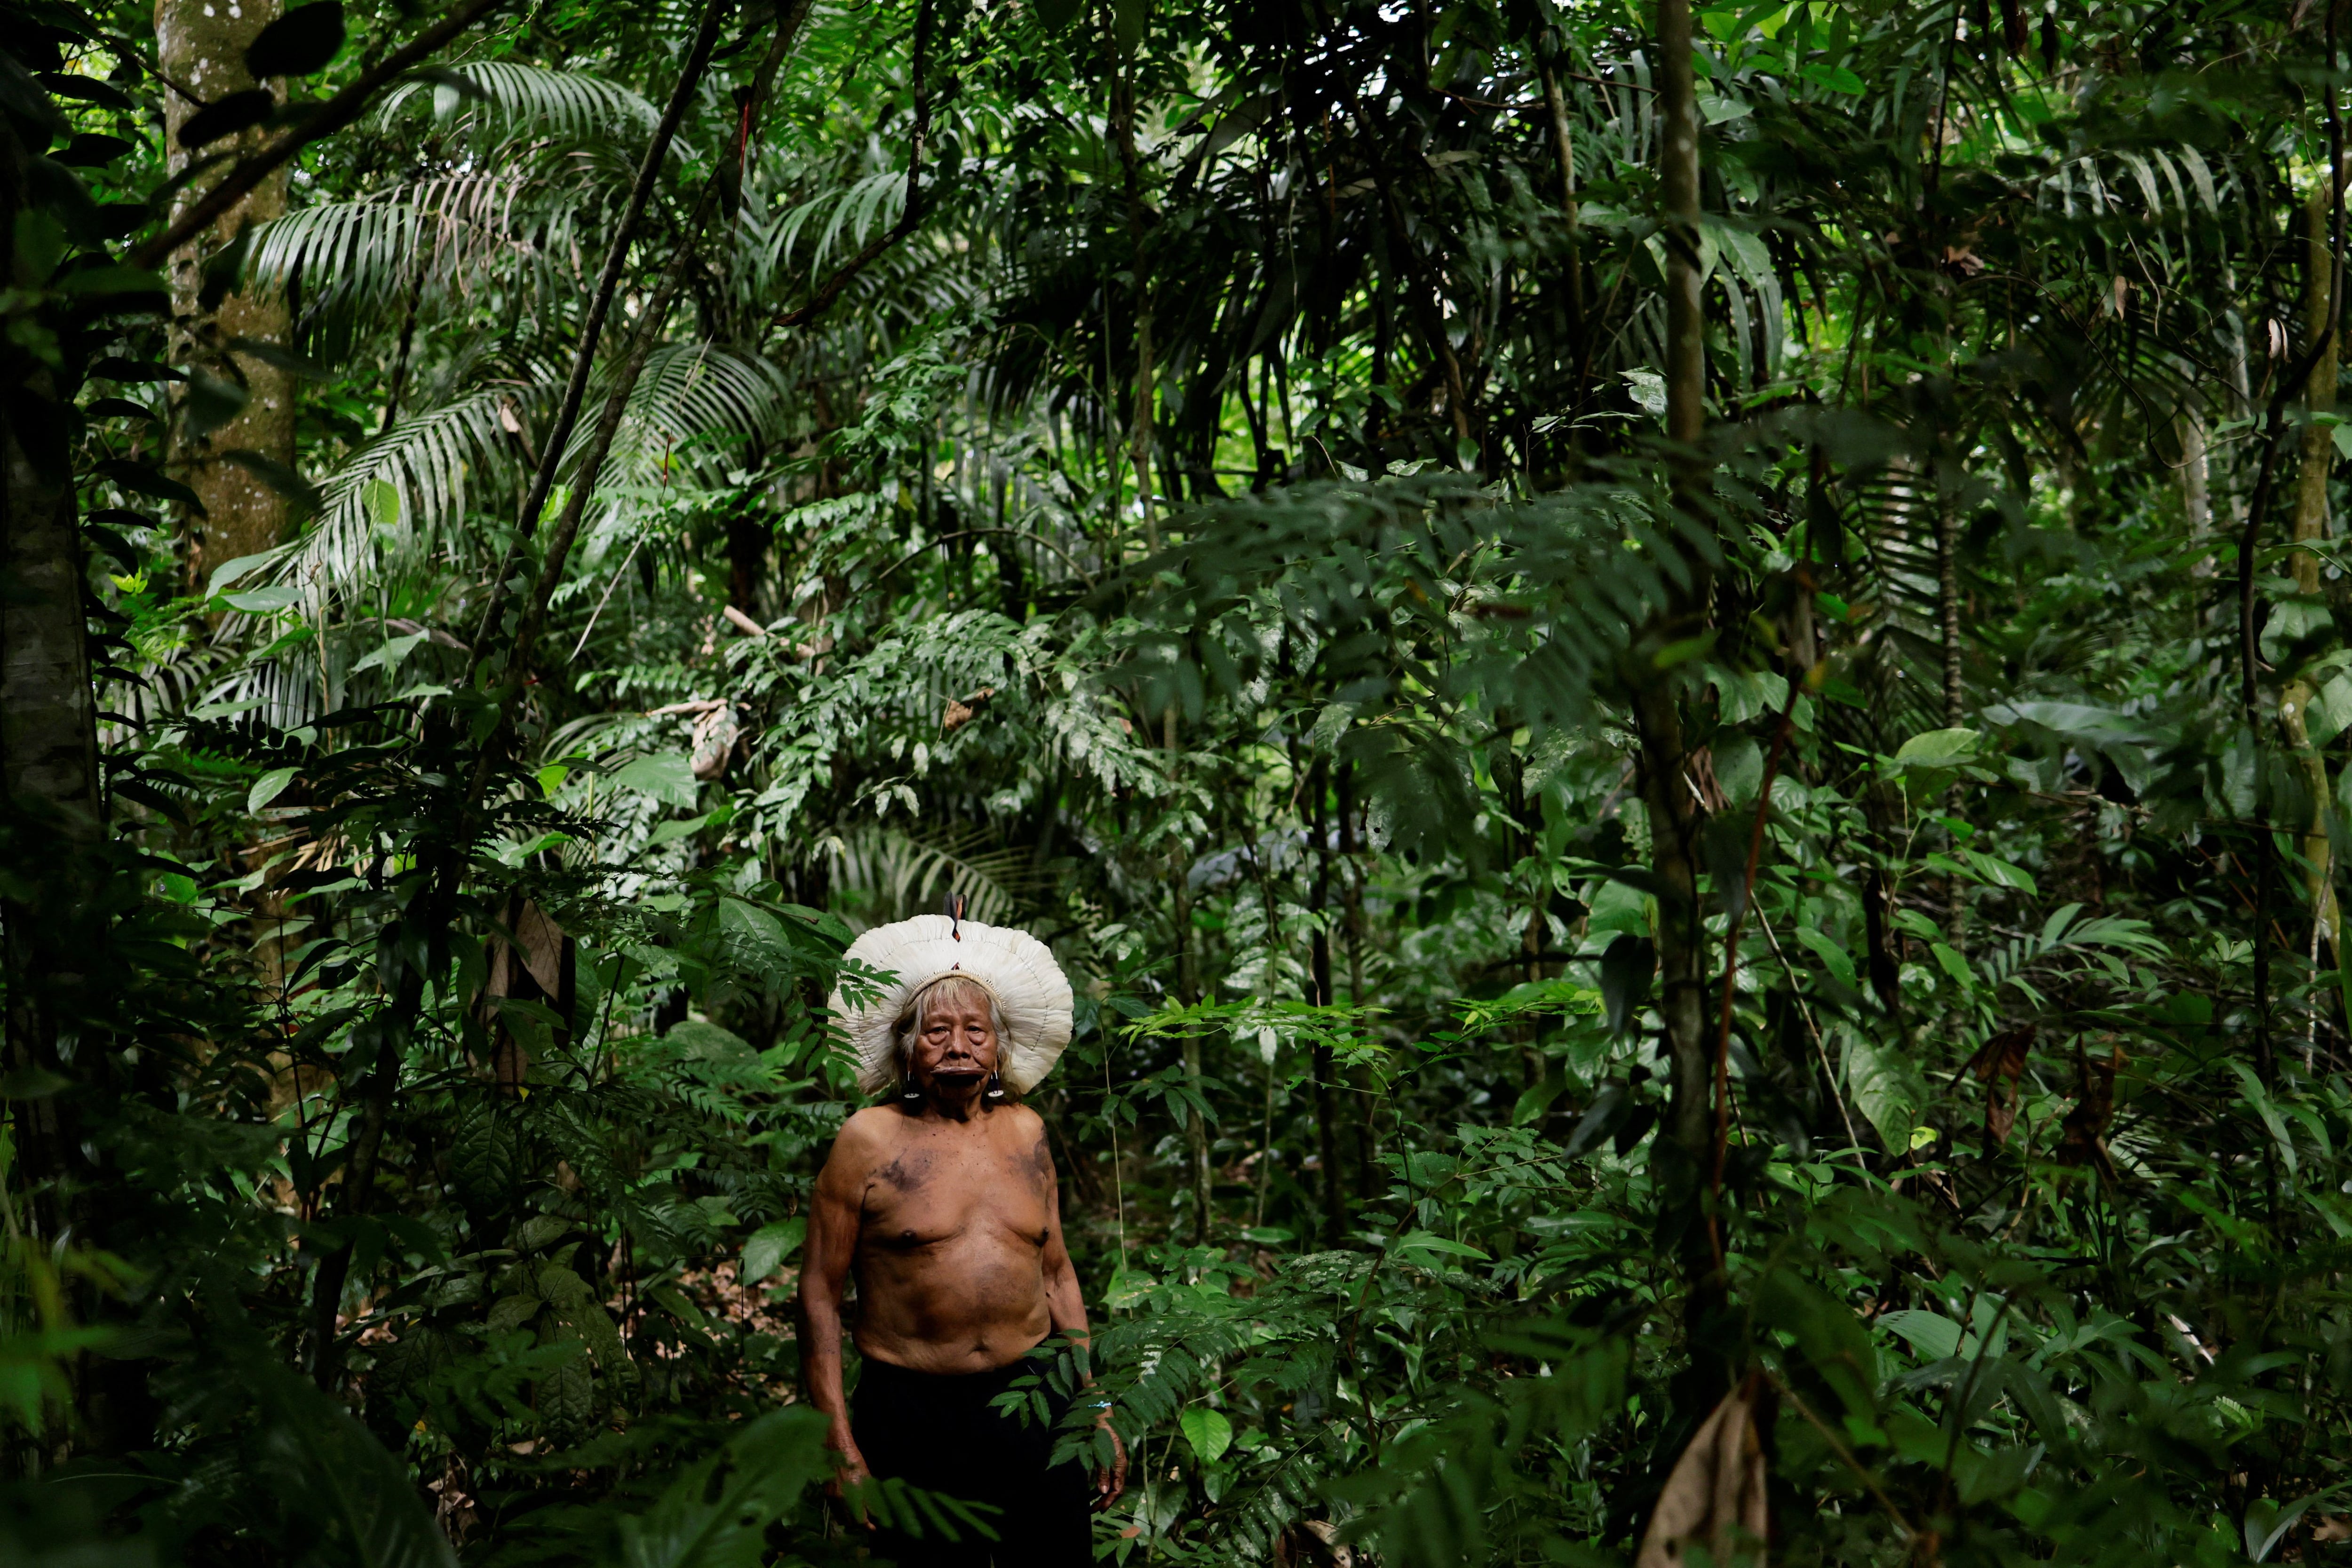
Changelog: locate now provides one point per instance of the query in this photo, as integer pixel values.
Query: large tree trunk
(201, 46)
(1563, 147)
(1188, 993)
(53, 926)
(49, 742)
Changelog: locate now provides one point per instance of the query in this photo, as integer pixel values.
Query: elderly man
(942, 1204)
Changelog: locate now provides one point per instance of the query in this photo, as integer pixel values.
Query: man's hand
(1111, 1481)
(850, 1474)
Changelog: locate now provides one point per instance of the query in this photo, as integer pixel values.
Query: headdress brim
(1033, 995)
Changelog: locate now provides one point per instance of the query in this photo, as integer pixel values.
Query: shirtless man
(943, 1206)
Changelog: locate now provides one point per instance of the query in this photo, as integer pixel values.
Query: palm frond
(886, 874)
(404, 491)
(408, 490)
(693, 403)
(428, 240)
(504, 99)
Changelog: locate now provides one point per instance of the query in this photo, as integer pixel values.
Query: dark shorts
(940, 1433)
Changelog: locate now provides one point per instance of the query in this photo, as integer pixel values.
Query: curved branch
(911, 210)
(599, 305)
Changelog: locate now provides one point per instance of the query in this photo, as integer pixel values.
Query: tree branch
(591, 330)
(912, 209)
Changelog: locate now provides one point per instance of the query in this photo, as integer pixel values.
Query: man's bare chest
(935, 1191)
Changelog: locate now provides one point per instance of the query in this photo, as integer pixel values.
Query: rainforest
(1673, 678)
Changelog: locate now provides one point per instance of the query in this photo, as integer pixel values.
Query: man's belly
(965, 1303)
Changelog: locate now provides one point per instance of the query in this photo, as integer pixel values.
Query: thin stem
(599, 305)
(1731, 975)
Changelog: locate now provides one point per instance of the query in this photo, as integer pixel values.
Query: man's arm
(835, 1210)
(1067, 1305)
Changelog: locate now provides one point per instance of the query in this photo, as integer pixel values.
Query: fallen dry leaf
(1715, 1494)
(962, 710)
(1313, 1542)
(531, 968)
(714, 738)
(2082, 1136)
(1999, 1064)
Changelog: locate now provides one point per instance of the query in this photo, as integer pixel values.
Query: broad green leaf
(1129, 20)
(705, 1041)
(350, 1476)
(1933, 1335)
(268, 787)
(381, 501)
(770, 1246)
(388, 658)
(717, 1511)
(1831, 955)
(675, 828)
(1939, 749)
(1208, 1433)
(264, 601)
(666, 776)
(1887, 1088)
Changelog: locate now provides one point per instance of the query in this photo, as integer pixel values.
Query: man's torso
(951, 1237)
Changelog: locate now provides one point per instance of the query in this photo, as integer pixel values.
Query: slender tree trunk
(2195, 488)
(201, 44)
(1563, 147)
(2318, 457)
(1368, 1100)
(1188, 991)
(1948, 478)
(1675, 815)
(1678, 180)
(1666, 795)
(1318, 966)
(1139, 231)
(400, 359)
(747, 563)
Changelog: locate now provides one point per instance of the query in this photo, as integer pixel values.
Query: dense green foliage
(1192, 481)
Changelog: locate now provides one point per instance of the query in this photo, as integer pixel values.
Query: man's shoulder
(868, 1132)
(1021, 1118)
(1020, 1125)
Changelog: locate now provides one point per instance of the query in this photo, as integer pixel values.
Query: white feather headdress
(1032, 996)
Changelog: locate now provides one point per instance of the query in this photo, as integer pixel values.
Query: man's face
(957, 1044)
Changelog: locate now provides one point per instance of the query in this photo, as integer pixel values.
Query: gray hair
(915, 1015)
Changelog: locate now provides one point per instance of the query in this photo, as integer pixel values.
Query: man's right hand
(850, 1475)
